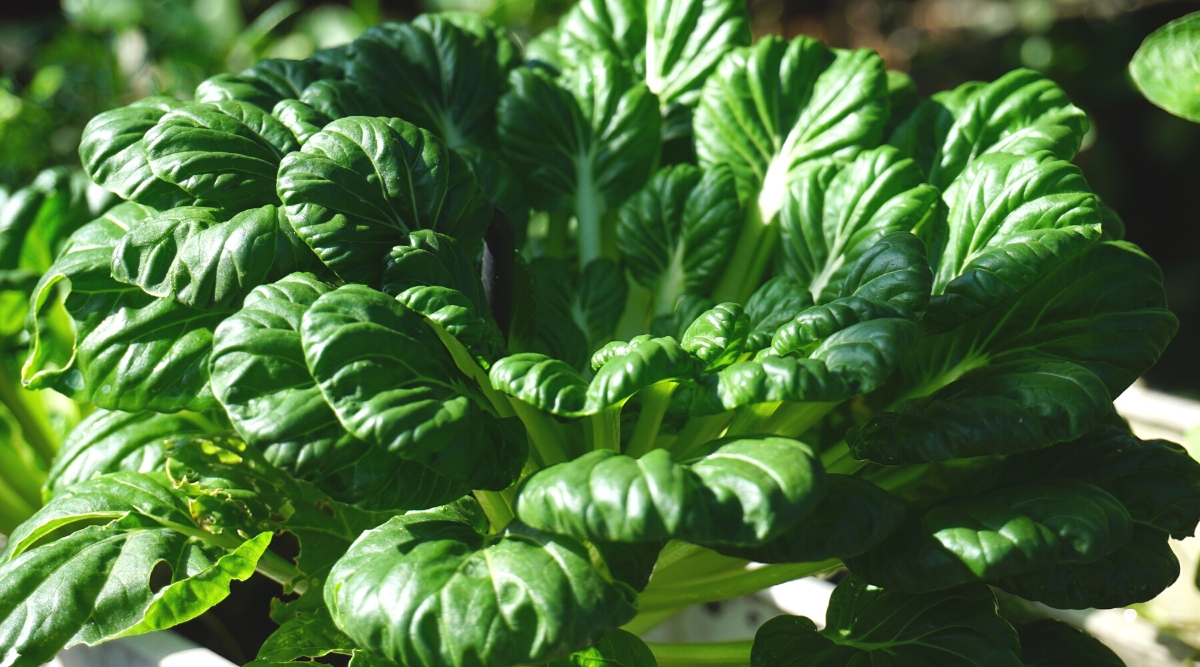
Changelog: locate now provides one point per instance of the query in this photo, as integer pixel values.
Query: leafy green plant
(759, 326)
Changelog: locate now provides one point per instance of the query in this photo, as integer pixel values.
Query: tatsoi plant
(773, 315)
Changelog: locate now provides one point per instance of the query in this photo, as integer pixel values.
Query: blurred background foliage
(62, 62)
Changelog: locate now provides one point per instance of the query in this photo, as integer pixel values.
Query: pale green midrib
(589, 209)
(671, 283)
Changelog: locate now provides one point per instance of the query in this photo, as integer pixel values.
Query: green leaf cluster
(532, 347)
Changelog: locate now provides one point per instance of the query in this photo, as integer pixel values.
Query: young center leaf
(587, 141)
(517, 597)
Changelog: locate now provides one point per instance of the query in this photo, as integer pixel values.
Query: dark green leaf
(429, 258)
(853, 516)
(392, 383)
(677, 233)
(774, 304)
(545, 383)
(1136, 572)
(307, 635)
(520, 597)
(432, 73)
(360, 185)
(227, 152)
(745, 492)
(833, 215)
(998, 534)
(617, 649)
(717, 337)
(868, 625)
(647, 363)
(1051, 643)
(264, 84)
(1156, 480)
(1011, 220)
(113, 152)
(850, 362)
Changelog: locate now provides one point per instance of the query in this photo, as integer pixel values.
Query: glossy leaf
(88, 577)
(306, 635)
(108, 441)
(1051, 643)
(113, 152)
(393, 384)
(1011, 220)
(772, 107)
(543, 382)
(850, 362)
(676, 234)
(208, 259)
(617, 649)
(1157, 481)
(1137, 572)
(1001, 533)
(226, 152)
(265, 83)
(433, 74)
(869, 625)
(1099, 316)
(429, 258)
(718, 337)
(360, 185)
(774, 304)
(745, 492)
(1164, 68)
(832, 215)
(853, 517)
(131, 351)
(585, 143)
(522, 596)
(1022, 112)
(647, 363)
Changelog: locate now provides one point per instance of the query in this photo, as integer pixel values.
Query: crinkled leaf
(617, 649)
(265, 83)
(745, 492)
(1101, 315)
(1022, 112)
(1000, 533)
(392, 383)
(1052, 643)
(523, 596)
(774, 304)
(850, 362)
(1011, 220)
(718, 337)
(648, 363)
(869, 625)
(774, 106)
(434, 74)
(226, 152)
(457, 315)
(1156, 480)
(853, 517)
(131, 351)
(429, 258)
(109, 441)
(360, 185)
(676, 234)
(307, 635)
(833, 215)
(206, 258)
(543, 382)
(1137, 572)
(113, 152)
